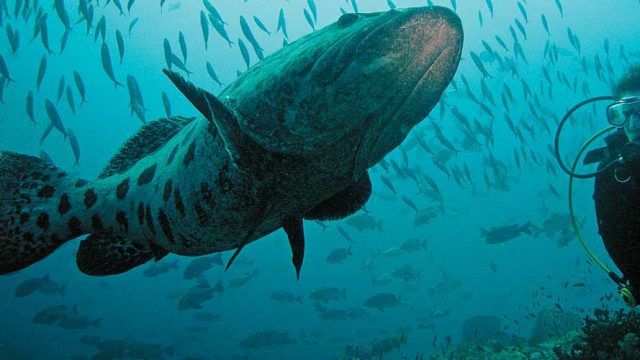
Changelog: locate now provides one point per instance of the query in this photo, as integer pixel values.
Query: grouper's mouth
(436, 60)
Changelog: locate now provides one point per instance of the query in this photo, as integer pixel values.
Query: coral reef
(558, 334)
(608, 335)
(521, 350)
(480, 329)
(376, 350)
(553, 323)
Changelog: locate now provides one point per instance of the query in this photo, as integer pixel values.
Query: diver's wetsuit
(618, 212)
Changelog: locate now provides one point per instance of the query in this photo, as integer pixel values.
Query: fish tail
(35, 210)
(526, 228)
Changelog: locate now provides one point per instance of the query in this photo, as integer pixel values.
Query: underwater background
(402, 277)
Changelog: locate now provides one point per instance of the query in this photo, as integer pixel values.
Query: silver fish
(204, 24)
(245, 53)
(213, 12)
(101, 29)
(248, 34)
(183, 46)
(120, 43)
(64, 40)
(261, 25)
(135, 94)
(30, 106)
(133, 24)
(75, 146)
(106, 64)
(168, 55)
(212, 74)
(31, 286)
(160, 268)
(383, 301)
(46, 133)
(219, 26)
(118, 4)
(80, 85)
(54, 117)
(179, 64)
(500, 234)
(62, 14)
(166, 103)
(130, 5)
(70, 100)
(14, 39)
(4, 70)
(62, 84)
(309, 20)
(282, 24)
(490, 6)
(314, 10)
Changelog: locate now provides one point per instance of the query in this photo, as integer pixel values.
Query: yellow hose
(574, 223)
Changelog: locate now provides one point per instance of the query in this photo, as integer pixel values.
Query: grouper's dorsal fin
(236, 142)
(147, 140)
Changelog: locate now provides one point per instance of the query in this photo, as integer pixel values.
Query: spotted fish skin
(195, 202)
(35, 216)
(295, 132)
(209, 204)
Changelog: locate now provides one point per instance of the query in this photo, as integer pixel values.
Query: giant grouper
(290, 139)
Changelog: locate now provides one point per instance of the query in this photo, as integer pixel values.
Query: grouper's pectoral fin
(295, 231)
(236, 142)
(259, 216)
(344, 203)
(109, 255)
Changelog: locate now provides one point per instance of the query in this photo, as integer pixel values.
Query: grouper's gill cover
(382, 66)
(412, 59)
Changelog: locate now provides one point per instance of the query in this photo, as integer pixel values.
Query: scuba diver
(617, 183)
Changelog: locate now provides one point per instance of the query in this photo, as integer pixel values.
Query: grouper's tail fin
(36, 214)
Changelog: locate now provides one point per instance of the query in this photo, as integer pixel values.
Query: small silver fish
(120, 43)
(106, 64)
(75, 146)
(54, 117)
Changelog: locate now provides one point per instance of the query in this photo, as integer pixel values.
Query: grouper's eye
(347, 19)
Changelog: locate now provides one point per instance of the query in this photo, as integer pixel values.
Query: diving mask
(620, 111)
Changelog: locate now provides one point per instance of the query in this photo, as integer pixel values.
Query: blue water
(456, 279)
